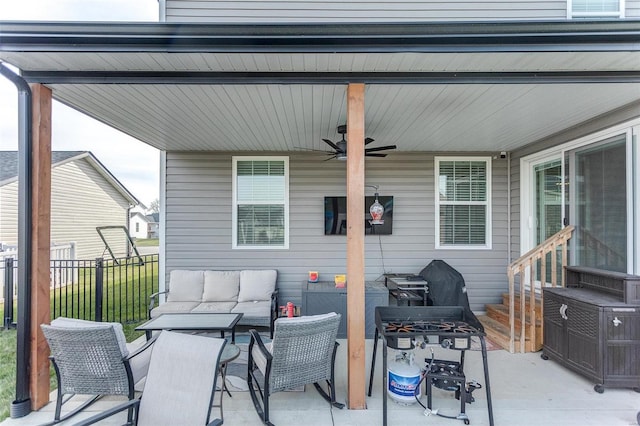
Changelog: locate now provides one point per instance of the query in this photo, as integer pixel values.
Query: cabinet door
(371, 300)
(622, 352)
(316, 303)
(555, 339)
(584, 348)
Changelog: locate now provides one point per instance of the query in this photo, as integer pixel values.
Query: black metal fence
(98, 290)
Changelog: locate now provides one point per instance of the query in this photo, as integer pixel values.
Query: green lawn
(130, 285)
(149, 242)
(7, 371)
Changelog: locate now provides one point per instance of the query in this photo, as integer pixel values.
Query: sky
(135, 164)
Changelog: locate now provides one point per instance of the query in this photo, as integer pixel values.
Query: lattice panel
(582, 321)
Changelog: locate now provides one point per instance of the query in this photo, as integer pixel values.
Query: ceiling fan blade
(367, 141)
(332, 145)
(375, 155)
(314, 150)
(380, 148)
(331, 158)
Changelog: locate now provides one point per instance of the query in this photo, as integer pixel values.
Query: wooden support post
(355, 247)
(40, 255)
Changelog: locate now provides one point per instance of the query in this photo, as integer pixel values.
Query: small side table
(229, 353)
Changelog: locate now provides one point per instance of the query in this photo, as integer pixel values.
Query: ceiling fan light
(342, 146)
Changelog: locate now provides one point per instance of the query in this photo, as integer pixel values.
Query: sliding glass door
(548, 206)
(586, 184)
(600, 205)
(548, 199)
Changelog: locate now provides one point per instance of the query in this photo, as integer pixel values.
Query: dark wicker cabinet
(593, 331)
(323, 297)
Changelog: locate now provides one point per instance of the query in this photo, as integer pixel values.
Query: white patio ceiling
(285, 117)
(182, 103)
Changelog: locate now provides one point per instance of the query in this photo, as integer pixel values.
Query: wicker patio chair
(92, 358)
(180, 384)
(303, 350)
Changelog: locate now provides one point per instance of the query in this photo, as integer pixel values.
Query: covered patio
(204, 93)
(526, 391)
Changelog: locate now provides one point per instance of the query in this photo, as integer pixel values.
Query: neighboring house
(153, 225)
(511, 119)
(84, 195)
(138, 225)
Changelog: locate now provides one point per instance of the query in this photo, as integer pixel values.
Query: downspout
(128, 221)
(509, 221)
(22, 404)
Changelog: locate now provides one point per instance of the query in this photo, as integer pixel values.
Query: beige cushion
(259, 358)
(185, 286)
(64, 322)
(257, 285)
(173, 307)
(259, 309)
(215, 307)
(221, 286)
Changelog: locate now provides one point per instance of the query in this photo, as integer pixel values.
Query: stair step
(499, 334)
(538, 307)
(500, 313)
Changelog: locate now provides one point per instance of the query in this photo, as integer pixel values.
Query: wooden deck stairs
(506, 328)
(496, 323)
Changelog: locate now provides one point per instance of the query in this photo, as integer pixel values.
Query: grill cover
(447, 288)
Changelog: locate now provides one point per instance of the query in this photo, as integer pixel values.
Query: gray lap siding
(199, 222)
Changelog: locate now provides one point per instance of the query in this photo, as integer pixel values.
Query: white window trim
(618, 14)
(488, 203)
(631, 128)
(234, 219)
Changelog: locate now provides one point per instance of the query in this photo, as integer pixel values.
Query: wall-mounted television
(335, 216)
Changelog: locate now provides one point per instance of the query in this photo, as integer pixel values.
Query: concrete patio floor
(525, 390)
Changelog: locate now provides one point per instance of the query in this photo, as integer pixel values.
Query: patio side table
(229, 353)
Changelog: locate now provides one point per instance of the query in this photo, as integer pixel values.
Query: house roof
(9, 162)
(430, 86)
(9, 168)
(153, 217)
(142, 216)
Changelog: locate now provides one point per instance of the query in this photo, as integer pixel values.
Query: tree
(154, 207)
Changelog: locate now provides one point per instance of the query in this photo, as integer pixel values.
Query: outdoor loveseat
(250, 292)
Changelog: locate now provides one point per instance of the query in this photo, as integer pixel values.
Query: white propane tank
(403, 378)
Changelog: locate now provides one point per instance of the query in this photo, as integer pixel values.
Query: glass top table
(221, 322)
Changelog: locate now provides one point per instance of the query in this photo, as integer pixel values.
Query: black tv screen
(335, 216)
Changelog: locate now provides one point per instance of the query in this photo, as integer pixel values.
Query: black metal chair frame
(107, 336)
(261, 403)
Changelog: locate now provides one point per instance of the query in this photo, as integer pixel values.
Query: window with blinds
(596, 8)
(261, 197)
(463, 202)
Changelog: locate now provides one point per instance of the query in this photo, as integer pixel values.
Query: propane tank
(290, 309)
(403, 379)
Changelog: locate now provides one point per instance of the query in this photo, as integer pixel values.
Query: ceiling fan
(340, 147)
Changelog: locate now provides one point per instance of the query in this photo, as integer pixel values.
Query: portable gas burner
(400, 326)
(451, 334)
